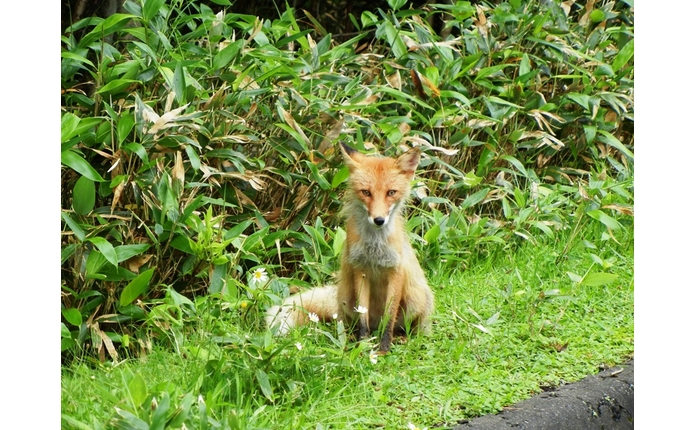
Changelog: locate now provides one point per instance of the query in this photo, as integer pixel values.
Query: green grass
(505, 328)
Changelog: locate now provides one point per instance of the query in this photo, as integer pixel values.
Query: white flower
(335, 316)
(259, 276)
(412, 426)
(299, 346)
(373, 356)
(361, 309)
(313, 317)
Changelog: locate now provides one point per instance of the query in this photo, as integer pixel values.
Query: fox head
(379, 185)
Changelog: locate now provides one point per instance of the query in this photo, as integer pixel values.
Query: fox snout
(380, 217)
(379, 221)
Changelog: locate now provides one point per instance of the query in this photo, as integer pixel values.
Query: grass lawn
(504, 328)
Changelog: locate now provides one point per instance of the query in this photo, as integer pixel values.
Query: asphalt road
(603, 401)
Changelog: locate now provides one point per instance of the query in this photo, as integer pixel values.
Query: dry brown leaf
(236, 138)
(422, 142)
(252, 110)
(367, 100)
(292, 123)
(170, 101)
(429, 84)
(272, 215)
(103, 154)
(394, 80)
(567, 6)
(409, 43)
(623, 209)
(106, 341)
(257, 27)
(257, 183)
(587, 11)
(300, 199)
(543, 123)
(545, 138)
(331, 136)
(216, 98)
(135, 263)
(610, 116)
(178, 171)
(248, 83)
(476, 123)
(451, 44)
(166, 118)
(415, 76)
(481, 22)
(117, 192)
(243, 199)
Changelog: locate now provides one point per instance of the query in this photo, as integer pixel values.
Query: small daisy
(313, 317)
(373, 356)
(361, 309)
(335, 316)
(299, 346)
(412, 426)
(259, 276)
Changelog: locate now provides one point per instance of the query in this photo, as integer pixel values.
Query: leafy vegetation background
(198, 145)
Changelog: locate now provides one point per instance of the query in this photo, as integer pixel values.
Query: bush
(198, 147)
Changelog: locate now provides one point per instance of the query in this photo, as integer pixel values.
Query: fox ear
(350, 155)
(408, 162)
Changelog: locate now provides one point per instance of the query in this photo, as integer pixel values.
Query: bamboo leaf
(226, 55)
(73, 316)
(80, 165)
(611, 140)
(433, 234)
(79, 233)
(264, 383)
(598, 279)
(624, 55)
(137, 389)
(136, 287)
(179, 84)
(605, 219)
(474, 199)
(516, 163)
(159, 417)
(340, 176)
(124, 252)
(68, 126)
(150, 8)
(105, 247)
(83, 196)
(116, 86)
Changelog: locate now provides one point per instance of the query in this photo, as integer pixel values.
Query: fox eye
(391, 193)
(366, 193)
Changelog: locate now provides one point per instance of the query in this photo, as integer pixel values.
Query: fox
(380, 283)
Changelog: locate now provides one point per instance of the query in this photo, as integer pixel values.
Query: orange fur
(379, 269)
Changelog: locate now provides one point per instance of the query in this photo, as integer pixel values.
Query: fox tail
(295, 310)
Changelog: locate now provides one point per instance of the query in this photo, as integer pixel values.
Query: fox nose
(379, 221)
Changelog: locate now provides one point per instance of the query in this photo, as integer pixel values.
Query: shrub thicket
(197, 147)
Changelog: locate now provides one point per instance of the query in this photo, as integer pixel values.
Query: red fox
(380, 280)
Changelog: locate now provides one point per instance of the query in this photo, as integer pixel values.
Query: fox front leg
(362, 308)
(393, 301)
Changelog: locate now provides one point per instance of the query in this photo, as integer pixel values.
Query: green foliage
(197, 147)
(503, 329)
